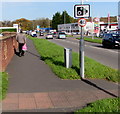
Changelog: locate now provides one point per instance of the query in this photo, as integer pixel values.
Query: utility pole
(64, 20)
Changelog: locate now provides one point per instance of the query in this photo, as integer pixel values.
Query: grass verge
(92, 40)
(53, 55)
(3, 84)
(104, 105)
(69, 35)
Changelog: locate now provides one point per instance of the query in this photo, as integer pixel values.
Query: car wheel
(103, 44)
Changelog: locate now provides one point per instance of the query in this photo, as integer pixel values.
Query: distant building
(70, 27)
(112, 26)
(73, 27)
(15, 28)
(90, 27)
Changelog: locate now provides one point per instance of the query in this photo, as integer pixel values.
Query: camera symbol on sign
(81, 11)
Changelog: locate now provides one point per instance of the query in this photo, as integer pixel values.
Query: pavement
(33, 87)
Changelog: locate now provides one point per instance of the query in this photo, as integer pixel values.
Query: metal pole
(81, 54)
(64, 21)
(92, 29)
(81, 1)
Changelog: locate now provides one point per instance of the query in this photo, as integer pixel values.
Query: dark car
(101, 35)
(111, 40)
(41, 34)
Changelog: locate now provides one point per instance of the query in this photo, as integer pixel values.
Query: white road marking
(89, 46)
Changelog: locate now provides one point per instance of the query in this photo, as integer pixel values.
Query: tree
(72, 20)
(6, 23)
(62, 19)
(43, 22)
(56, 20)
(65, 18)
(24, 24)
(112, 19)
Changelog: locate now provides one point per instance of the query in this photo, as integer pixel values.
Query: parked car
(33, 34)
(111, 40)
(74, 33)
(41, 34)
(101, 35)
(49, 36)
(55, 34)
(62, 35)
(1, 34)
(68, 33)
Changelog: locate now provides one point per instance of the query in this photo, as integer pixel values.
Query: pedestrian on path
(21, 39)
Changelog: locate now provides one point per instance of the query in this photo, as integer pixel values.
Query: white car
(33, 34)
(68, 33)
(62, 35)
(74, 33)
(49, 36)
(1, 34)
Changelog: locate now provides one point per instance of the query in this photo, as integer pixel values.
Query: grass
(8, 30)
(69, 35)
(92, 40)
(53, 55)
(3, 84)
(104, 105)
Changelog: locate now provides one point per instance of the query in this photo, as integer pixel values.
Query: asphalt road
(95, 51)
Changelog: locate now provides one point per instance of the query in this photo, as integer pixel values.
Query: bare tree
(6, 23)
(43, 22)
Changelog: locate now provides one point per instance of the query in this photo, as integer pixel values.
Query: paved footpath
(34, 87)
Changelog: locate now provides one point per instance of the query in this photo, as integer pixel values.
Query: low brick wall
(7, 45)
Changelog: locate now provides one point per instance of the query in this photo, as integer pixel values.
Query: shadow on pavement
(94, 85)
(33, 54)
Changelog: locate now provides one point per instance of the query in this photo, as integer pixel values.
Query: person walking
(21, 39)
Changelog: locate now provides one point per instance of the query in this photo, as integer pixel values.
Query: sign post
(81, 22)
(81, 11)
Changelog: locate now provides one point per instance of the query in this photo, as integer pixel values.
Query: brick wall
(7, 46)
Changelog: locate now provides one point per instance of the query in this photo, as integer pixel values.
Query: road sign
(82, 22)
(82, 11)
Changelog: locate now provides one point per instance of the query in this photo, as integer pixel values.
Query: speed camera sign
(82, 11)
(82, 22)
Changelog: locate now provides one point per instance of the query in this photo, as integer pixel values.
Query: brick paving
(50, 100)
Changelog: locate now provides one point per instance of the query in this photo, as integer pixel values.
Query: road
(108, 57)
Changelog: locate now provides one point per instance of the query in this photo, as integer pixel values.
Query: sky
(33, 10)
